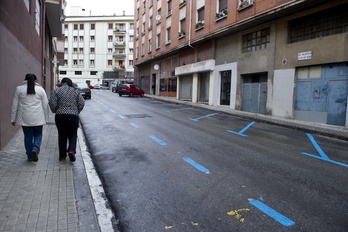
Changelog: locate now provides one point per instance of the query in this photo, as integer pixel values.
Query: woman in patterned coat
(67, 103)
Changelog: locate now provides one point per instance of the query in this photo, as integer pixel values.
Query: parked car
(116, 84)
(130, 90)
(84, 90)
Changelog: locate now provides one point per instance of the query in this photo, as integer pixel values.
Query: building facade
(29, 35)
(98, 49)
(284, 58)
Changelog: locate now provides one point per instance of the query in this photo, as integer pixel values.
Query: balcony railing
(119, 43)
(119, 31)
(119, 55)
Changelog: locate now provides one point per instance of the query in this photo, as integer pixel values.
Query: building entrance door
(254, 93)
(225, 87)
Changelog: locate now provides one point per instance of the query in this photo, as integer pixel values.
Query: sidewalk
(47, 195)
(339, 132)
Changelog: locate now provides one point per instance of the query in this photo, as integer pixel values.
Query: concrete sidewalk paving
(47, 195)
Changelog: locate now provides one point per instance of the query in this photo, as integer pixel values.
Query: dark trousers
(67, 126)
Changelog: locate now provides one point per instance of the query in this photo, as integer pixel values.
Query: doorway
(225, 87)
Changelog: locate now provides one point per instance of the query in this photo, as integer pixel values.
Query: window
(81, 38)
(222, 5)
(66, 38)
(91, 62)
(144, 7)
(80, 62)
(75, 26)
(110, 26)
(110, 38)
(81, 26)
(66, 26)
(75, 62)
(169, 7)
(158, 40)
(256, 40)
(168, 31)
(200, 14)
(131, 26)
(92, 26)
(150, 45)
(325, 23)
(65, 62)
(81, 50)
(38, 17)
(62, 72)
(109, 62)
(75, 38)
(131, 50)
(92, 50)
(150, 22)
(182, 27)
(92, 38)
(159, 15)
(130, 62)
(143, 29)
(131, 38)
(78, 72)
(93, 73)
(27, 4)
(65, 50)
(109, 50)
(75, 50)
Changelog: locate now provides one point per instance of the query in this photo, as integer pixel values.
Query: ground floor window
(168, 84)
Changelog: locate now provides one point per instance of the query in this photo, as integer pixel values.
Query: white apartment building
(98, 49)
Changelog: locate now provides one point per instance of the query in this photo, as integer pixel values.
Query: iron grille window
(256, 40)
(325, 23)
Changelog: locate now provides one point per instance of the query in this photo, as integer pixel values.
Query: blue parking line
(196, 165)
(205, 116)
(272, 213)
(322, 154)
(134, 125)
(157, 140)
(170, 111)
(121, 116)
(242, 131)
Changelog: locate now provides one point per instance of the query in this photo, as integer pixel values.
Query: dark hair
(30, 78)
(68, 81)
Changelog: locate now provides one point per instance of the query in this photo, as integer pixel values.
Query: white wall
(283, 93)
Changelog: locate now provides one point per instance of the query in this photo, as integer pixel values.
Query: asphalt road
(169, 167)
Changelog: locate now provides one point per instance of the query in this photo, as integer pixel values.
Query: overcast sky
(102, 7)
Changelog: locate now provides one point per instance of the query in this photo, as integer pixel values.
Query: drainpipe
(190, 27)
(43, 42)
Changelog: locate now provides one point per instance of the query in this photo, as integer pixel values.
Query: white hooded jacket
(29, 109)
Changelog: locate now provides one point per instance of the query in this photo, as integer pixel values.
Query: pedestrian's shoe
(62, 158)
(72, 156)
(34, 156)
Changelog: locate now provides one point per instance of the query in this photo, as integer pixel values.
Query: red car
(130, 90)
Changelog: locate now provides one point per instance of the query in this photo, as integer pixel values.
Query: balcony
(55, 17)
(120, 31)
(118, 67)
(119, 43)
(119, 56)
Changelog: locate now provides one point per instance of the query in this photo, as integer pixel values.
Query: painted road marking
(196, 165)
(237, 214)
(272, 213)
(134, 125)
(170, 111)
(121, 116)
(205, 116)
(322, 154)
(243, 130)
(157, 140)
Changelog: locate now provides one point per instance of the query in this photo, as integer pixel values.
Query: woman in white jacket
(30, 110)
